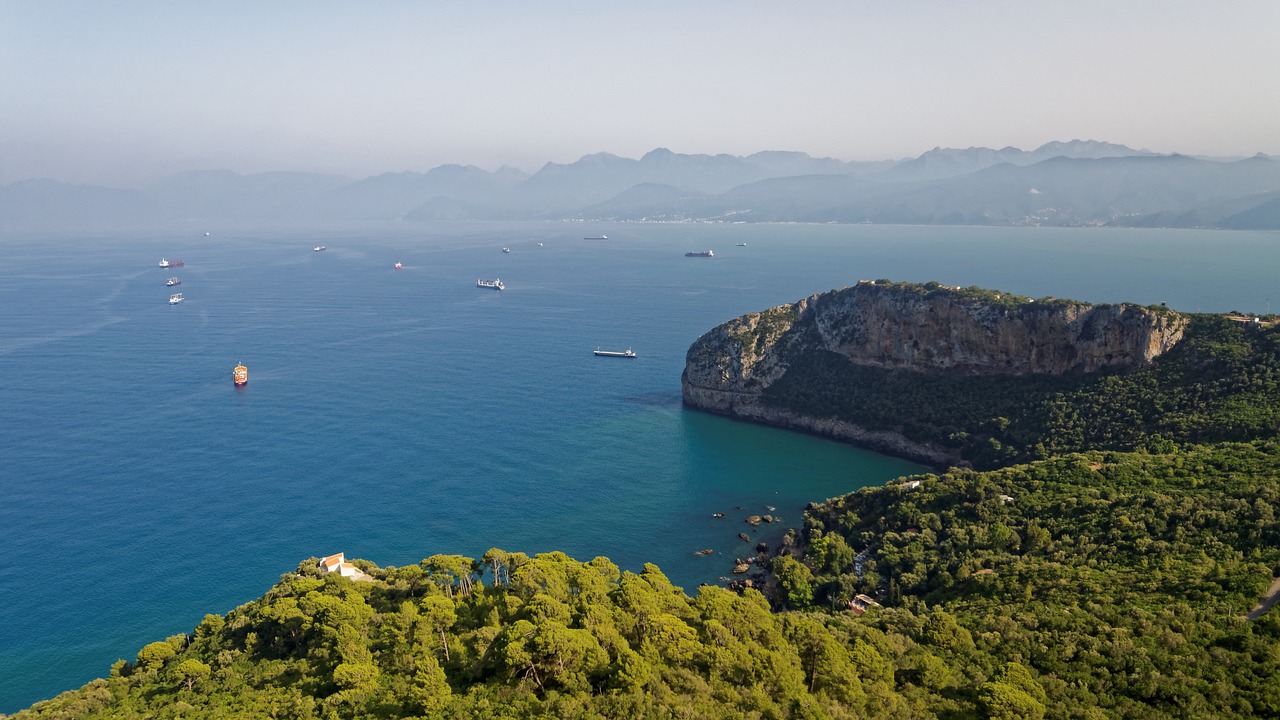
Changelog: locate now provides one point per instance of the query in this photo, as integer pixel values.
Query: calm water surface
(397, 414)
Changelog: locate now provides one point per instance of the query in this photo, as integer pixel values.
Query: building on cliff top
(338, 563)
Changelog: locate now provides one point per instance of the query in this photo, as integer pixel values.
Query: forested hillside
(1121, 580)
(1088, 586)
(1221, 382)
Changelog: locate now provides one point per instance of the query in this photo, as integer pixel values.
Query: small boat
(700, 253)
(539, 244)
(628, 353)
(506, 249)
(494, 284)
(742, 244)
(319, 248)
(240, 375)
(399, 266)
(173, 281)
(597, 237)
(176, 298)
(166, 263)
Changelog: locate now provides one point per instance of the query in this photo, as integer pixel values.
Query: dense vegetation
(1087, 586)
(1121, 580)
(1221, 382)
(547, 637)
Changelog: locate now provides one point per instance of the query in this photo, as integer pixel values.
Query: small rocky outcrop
(927, 328)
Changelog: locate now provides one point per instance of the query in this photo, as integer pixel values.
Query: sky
(124, 93)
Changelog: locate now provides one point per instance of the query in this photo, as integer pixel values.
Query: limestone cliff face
(925, 328)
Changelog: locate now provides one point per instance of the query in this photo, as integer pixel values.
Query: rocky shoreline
(747, 407)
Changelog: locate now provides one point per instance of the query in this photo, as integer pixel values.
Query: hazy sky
(121, 93)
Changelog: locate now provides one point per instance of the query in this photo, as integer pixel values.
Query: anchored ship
(597, 237)
(176, 298)
(700, 253)
(173, 281)
(166, 263)
(495, 284)
(240, 375)
(628, 353)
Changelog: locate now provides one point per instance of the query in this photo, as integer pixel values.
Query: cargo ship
(628, 353)
(700, 253)
(597, 237)
(176, 298)
(166, 263)
(173, 281)
(240, 375)
(495, 284)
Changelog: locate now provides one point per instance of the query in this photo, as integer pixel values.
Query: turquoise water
(392, 414)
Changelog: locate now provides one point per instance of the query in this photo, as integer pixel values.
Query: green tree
(438, 614)
(942, 630)
(1004, 701)
(190, 671)
(430, 691)
(154, 655)
(795, 580)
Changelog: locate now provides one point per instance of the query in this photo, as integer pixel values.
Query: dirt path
(1273, 594)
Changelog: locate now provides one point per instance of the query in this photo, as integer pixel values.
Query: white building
(338, 563)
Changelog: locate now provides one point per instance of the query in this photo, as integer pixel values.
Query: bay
(397, 414)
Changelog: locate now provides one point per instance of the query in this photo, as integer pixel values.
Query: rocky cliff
(932, 329)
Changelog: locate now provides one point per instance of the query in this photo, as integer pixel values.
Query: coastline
(747, 407)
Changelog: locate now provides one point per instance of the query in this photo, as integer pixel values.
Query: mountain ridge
(1072, 183)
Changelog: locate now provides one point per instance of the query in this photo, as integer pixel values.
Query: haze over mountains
(1076, 183)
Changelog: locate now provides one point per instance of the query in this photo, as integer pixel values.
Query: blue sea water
(393, 414)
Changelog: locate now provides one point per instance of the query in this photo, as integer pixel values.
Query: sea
(396, 414)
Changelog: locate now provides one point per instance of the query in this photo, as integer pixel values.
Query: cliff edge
(931, 329)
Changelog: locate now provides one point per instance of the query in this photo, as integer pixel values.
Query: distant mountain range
(1076, 183)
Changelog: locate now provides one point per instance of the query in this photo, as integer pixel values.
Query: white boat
(742, 244)
(399, 266)
(506, 249)
(494, 284)
(164, 263)
(176, 298)
(628, 353)
(319, 248)
(173, 281)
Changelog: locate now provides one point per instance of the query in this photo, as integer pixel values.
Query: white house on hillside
(338, 563)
